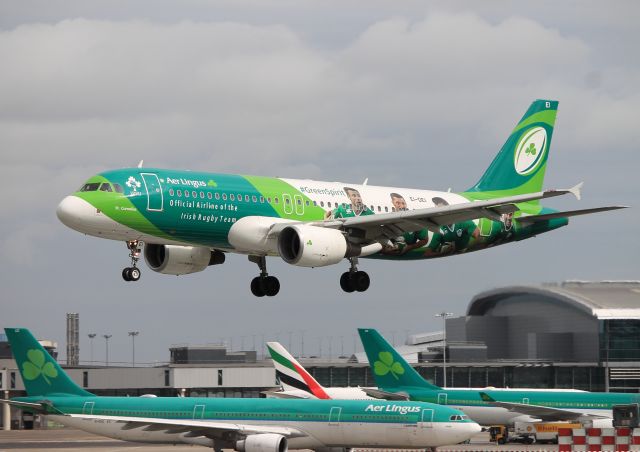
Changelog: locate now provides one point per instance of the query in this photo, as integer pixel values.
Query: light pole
(91, 336)
(444, 316)
(106, 339)
(133, 335)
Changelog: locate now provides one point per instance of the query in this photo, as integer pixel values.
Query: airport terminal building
(582, 335)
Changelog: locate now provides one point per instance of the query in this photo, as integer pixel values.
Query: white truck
(541, 431)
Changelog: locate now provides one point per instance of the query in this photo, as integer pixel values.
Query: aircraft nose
(73, 210)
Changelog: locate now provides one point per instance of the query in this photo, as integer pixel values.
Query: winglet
(486, 397)
(576, 190)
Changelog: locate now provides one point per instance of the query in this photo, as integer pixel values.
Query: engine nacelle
(180, 260)
(311, 246)
(263, 442)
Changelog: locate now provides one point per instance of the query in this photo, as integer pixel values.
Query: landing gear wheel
(360, 281)
(256, 287)
(126, 274)
(346, 283)
(270, 286)
(134, 273)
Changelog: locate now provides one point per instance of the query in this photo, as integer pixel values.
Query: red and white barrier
(594, 439)
(608, 440)
(579, 440)
(623, 439)
(635, 440)
(564, 440)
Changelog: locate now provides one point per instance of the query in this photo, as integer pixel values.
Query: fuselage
(484, 413)
(202, 209)
(325, 423)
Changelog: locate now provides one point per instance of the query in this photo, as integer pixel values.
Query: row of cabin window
(254, 198)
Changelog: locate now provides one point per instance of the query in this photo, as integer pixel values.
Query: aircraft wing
(385, 395)
(284, 395)
(395, 223)
(194, 427)
(570, 213)
(543, 413)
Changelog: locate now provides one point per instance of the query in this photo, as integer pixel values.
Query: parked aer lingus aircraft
(395, 376)
(251, 425)
(188, 220)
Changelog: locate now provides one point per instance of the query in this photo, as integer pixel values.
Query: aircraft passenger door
(198, 412)
(427, 418)
(334, 415)
(287, 204)
(155, 199)
(525, 401)
(299, 204)
(87, 408)
(442, 398)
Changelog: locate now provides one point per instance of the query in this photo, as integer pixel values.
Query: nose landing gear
(132, 273)
(264, 284)
(354, 280)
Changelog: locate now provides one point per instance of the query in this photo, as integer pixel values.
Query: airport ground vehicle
(538, 432)
(499, 434)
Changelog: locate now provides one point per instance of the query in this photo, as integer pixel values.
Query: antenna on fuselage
(365, 181)
(140, 164)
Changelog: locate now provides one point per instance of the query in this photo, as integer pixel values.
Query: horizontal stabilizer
(569, 213)
(37, 408)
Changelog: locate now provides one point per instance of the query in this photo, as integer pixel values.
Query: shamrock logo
(386, 365)
(531, 149)
(212, 183)
(36, 366)
(133, 183)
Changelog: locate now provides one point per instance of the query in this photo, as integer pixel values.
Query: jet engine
(312, 246)
(180, 260)
(263, 442)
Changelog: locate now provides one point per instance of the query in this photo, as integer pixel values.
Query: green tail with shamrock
(520, 165)
(390, 370)
(41, 374)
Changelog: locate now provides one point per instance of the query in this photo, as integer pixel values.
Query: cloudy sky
(404, 93)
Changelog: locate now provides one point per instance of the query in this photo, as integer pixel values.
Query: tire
(346, 282)
(270, 286)
(134, 274)
(361, 281)
(256, 287)
(126, 275)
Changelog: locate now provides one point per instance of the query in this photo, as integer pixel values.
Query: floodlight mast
(444, 316)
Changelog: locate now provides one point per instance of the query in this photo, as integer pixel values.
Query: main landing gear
(264, 284)
(354, 280)
(132, 273)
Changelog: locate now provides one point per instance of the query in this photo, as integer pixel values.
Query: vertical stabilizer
(41, 374)
(388, 367)
(291, 374)
(520, 165)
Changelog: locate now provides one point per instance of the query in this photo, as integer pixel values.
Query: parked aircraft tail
(291, 374)
(390, 370)
(41, 374)
(520, 165)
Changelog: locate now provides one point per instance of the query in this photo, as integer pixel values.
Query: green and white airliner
(251, 425)
(397, 379)
(187, 220)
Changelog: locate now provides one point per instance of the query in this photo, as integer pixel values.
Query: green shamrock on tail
(386, 365)
(36, 366)
(531, 149)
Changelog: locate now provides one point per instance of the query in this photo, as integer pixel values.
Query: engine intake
(263, 442)
(180, 260)
(312, 246)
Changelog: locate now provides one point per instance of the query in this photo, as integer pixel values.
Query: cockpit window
(458, 417)
(118, 188)
(93, 186)
(105, 187)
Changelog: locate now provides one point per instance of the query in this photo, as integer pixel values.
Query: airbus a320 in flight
(187, 220)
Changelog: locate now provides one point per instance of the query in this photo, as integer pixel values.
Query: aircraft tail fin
(291, 374)
(41, 374)
(389, 368)
(520, 165)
